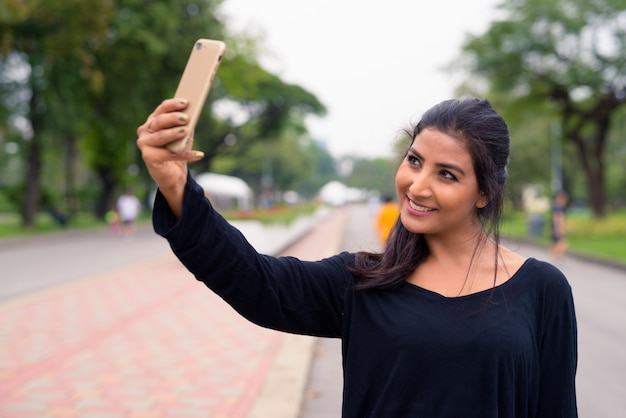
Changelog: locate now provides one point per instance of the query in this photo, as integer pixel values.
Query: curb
(282, 393)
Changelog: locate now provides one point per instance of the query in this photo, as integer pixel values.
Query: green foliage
(141, 63)
(613, 225)
(375, 174)
(83, 75)
(324, 170)
(564, 57)
(514, 224)
(616, 162)
(10, 226)
(274, 165)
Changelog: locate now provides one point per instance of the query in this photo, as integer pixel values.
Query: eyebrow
(447, 166)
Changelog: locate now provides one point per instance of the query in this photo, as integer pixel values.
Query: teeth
(419, 208)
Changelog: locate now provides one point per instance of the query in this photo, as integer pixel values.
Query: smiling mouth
(419, 208)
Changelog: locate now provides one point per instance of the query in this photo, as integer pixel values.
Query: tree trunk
(71, 155)
(592, 163)
(601, 117)
(595, 190)
(591, 146)
(32, 192)
(107, 197)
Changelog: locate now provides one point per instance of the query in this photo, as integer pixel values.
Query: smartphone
(196, 81)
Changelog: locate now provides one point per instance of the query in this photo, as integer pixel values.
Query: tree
(81, 73)
(374, 174)
(264, 106)
(324, 171)
(36, 36)
(140, 65)
(569, 53)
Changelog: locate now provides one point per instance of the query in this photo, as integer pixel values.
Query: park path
(145, 339)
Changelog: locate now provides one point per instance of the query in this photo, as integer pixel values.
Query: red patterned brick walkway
(146, 340)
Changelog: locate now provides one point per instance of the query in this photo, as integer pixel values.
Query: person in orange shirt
(386, 217)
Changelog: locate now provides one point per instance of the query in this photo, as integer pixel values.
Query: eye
(413, 160)
(447, 175)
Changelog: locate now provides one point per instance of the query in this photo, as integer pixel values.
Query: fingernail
(181, 130)
(198, 154)
(182, 101)
(183, 117)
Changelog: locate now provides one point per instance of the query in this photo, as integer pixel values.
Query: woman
(446, 322)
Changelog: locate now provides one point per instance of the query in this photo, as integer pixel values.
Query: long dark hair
(487, 137)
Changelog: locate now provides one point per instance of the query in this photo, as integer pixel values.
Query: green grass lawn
(11, 227)
(607, 248)
(10, 224)
(599, 238)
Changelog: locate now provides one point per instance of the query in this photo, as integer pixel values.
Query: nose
(420, 185)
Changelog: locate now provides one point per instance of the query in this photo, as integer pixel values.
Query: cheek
(401, 186)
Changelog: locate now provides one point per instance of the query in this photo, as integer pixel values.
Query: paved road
(322, 398)
(32, 264)
(600, 298)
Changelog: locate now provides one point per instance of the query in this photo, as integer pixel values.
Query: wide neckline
(508, 282)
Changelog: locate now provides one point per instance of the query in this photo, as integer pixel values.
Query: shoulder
(542, 270)
(335, 270)
(342, 262)
(545, 279)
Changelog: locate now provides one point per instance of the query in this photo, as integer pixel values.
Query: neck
(460, 249)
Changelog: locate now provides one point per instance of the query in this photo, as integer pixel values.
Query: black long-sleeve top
(407, 352)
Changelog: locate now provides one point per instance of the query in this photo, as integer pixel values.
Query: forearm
(173, 195)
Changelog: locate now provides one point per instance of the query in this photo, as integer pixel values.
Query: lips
(419, 208)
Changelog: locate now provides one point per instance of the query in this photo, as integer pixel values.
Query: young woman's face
(437, 188)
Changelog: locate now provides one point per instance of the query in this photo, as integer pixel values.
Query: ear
(482, 201)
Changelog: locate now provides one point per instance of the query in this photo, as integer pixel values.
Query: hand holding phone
(195, 83)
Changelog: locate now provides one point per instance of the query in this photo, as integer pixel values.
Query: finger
(166, 121)
(193, 155)
(160, 138)
(170, 105)
(156, 156)
(154, 120)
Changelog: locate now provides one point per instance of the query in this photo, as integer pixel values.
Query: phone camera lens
(199, 45)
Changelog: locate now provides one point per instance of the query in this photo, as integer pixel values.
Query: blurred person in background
(559, 239)
(386, 217)
(128, 210)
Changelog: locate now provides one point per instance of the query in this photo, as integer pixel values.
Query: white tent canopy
(337, 194)
(221, 188)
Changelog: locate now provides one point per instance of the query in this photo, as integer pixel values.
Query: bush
(613, 225)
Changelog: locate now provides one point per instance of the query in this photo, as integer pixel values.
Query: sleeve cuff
(182, 231)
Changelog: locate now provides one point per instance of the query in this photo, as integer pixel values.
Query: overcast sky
(375, 65)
